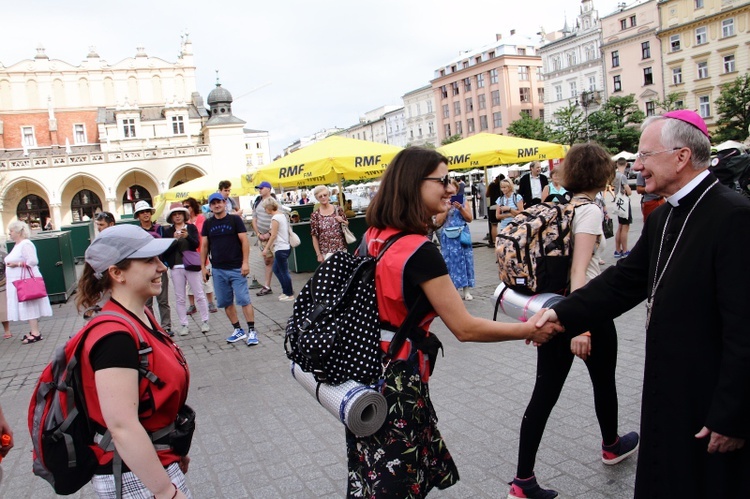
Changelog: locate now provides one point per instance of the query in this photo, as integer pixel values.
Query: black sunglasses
(445, 180)
(104, 216)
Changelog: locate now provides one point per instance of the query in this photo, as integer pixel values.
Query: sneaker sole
(252, 343)
(238, 339)
(620, 458)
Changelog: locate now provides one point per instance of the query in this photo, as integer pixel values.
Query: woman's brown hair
(91, 289)
(398, 203)
(587, 167)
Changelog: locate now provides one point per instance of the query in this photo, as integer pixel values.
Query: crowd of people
(695, 403)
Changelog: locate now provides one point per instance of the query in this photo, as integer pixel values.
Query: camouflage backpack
(534, 250)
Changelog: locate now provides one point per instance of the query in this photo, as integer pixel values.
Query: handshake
(543, 326)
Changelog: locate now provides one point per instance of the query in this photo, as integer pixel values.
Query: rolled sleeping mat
(520, 306)
(361, 408)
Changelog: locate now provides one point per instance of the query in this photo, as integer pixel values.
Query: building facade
(487, 89)
(704, 46)
(75, 140)
(632, 54)
(372, 126)
(419, 106)
(573, 64)
(257, 148)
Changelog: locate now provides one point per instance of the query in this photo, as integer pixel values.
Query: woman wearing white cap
(185, 265)
(122, 272)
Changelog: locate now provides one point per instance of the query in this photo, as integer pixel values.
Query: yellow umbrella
(487, 149)
(323, 162)
(198, 188)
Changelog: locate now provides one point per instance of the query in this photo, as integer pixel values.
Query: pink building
(487, 89)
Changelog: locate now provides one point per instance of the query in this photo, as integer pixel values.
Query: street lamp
(588, 97)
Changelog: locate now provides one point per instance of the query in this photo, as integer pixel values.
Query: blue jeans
(281, 271)
(230, 285)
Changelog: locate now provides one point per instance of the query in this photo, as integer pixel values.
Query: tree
(733, 108)
(568, 126)
(529, 128)
(451, 139)
(670, 102)
(616, 126)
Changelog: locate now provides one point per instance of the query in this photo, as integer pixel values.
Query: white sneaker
(286, 298)
(468, 297)
(184, 331)
(205, 327)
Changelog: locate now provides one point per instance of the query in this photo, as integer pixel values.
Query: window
(573, 89)
(678, 104)
(27, 133)
(558, 92)
(700, 35)
(676, 76)
(128, 128)
(617, 83)
(470, 125)
(431, 128)
(79, 133)
(556, 64)
(698, 4)
(540, 93)
(632, 20)
(495, 97)
(84, 202)
(178, 125)
(704, 106)
(469, 105)
(521, 51)
(523, 73)
(623, 23)
(592, 83)
(650, 108)
(590, 53)
(646, 50)
(497, 120)
(482, 101)
(447, 131)
(572, 58)
(467, 84)
(480, 80)
(491, 54)
(525, 94)
(457, 108)
(493, 76)
(429, 107)
(541, 114)
(483, 123)
(444, 92)
(702, 70)
(455, 87)
(648, 76)
(526, 113)
(459, 128)
(615, 58)
(729, 63)
(478, 59)
(465, 64)
(727, 27)
(674, 43)
(446, 111)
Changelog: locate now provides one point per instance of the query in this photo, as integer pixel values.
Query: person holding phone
(459, 257)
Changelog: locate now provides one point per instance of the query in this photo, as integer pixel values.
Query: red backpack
(65, 453)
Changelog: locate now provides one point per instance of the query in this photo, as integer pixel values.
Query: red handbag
(29, 288)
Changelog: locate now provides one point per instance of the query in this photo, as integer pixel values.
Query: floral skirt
(407, 457)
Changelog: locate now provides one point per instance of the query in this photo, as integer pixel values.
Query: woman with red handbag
(21, 263)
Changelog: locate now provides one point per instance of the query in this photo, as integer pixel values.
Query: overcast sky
(294, 67)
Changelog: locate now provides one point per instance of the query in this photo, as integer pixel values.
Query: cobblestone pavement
(261, 435)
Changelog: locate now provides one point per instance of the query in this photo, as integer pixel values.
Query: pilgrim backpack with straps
(534, 251)
(66, 446)
(334, 331)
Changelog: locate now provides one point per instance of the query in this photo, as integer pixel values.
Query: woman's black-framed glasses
(445, 180)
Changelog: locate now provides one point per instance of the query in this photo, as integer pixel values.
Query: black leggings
(553, 364)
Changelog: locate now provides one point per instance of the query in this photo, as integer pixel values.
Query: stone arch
(185, 173)
(58, 93)
(131, 177)
(15, 191)
(109, 91)
(5, 98)
(32, 94)
(72, 186)
(84, 92)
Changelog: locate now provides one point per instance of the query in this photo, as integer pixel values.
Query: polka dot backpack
(334, 331)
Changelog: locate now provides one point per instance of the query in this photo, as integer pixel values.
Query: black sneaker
(264, 291)
(529, 488)
(621, 449)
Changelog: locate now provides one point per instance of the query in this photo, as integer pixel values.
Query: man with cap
(294, 216)
(143, 213)
(226, 236)
(262, 228)
(690, 265)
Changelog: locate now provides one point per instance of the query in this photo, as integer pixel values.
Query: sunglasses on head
(445, 180)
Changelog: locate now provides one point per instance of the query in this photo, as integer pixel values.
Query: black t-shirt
(425, 264)
(119, 349)
(224, 243)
